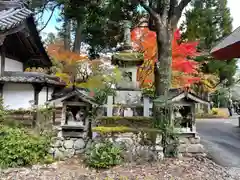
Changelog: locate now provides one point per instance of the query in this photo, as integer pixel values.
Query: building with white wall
(21, 47)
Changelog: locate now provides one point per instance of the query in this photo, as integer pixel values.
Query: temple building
(228, 47)
(21, 48)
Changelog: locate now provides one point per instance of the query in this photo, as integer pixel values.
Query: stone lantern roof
(126, 56)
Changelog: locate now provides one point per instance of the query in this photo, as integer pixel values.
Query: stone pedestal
(190, 146)
(67, 146)
(146, 107)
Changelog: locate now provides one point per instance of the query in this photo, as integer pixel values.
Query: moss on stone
(128, 56)
(122, 129)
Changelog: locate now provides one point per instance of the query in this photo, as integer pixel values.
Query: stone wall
(66, 147)
(134, 149)
(191, 146)
(136, 146)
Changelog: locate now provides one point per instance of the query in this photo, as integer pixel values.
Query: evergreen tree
(209, 21)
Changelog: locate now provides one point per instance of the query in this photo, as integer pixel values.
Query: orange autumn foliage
(58, 52)
(184, 70)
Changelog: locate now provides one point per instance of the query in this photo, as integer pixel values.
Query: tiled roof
(232, 38)
(69, 92)
(11, 16)
(30, 77)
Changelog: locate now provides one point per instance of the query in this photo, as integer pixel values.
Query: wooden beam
(13, 30)
(1, 90)
(47, 93)
(37, 89)
(3, 55)
(2, 38)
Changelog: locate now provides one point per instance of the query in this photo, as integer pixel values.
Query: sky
(232, 4)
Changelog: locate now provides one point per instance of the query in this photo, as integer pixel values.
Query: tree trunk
(163, 65)
(77, 40)
(67, 32)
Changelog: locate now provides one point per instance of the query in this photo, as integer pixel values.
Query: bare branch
(179, 9)
(152, 13)
(173, 4)
(49, 17)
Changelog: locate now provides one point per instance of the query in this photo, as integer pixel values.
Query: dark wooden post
(1, 90)
(47, 93)
(37, 88)
(2, 59)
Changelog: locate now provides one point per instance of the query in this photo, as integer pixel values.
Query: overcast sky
(234, 9)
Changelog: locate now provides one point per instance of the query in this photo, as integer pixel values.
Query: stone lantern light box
(183, 112)
(75, 119)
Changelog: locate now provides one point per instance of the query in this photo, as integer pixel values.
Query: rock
(158, 148)
(79, 144)
(51, 150)
(188, 155)
(58, 143)
(184, 140)
(80, 151)
(69, 153)
(195, 148)
(62, 149)
(127, 156)
(160, 156)
(182, 148)
(159, 139)
(195, 140)
(59, 134)
(89, 144)
(126, 140)
(58, 155)
(68, 144)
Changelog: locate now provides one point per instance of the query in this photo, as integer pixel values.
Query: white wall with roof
(16, 95)
(19, 95)
(12, 65)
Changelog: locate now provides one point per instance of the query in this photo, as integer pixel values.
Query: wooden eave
(228, 47)
(19, 35)
(190, 96)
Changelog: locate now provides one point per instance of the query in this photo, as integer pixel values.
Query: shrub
(19, 148)
(214, 113)
(103, 155)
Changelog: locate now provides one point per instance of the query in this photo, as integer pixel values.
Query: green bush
(103, 155)
(19, 148)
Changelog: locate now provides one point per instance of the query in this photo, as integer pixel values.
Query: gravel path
(170, 169)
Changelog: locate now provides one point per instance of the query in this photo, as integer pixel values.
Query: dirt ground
(199, 168)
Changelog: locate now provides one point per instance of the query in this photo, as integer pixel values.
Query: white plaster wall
(43, 95)
(13, 65)
(121, 96)
(50, 92)
(16, 95)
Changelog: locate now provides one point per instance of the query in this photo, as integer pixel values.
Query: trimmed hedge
(122, 129)
(131, 122)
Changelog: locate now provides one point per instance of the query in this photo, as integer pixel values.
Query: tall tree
(164, 16)
(209, 21)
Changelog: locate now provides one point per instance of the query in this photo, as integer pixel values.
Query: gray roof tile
(12, 13)
(29, 77)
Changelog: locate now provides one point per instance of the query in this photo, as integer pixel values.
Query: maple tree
(184, 70)
(77, 70)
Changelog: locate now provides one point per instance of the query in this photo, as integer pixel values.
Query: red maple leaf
(144, 41)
